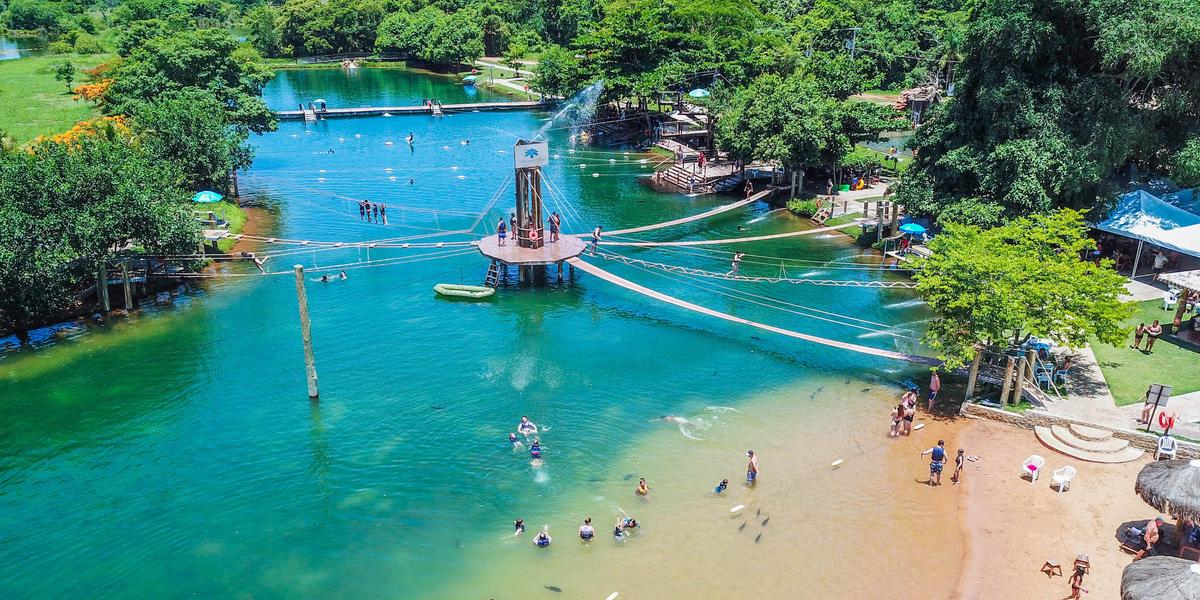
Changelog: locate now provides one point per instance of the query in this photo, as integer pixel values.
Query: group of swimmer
(326, 278)
(624, 526)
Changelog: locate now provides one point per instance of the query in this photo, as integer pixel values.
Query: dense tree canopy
(989, 287)
(67, 207)
(1055, 98)
(187, 128)
(203, 60)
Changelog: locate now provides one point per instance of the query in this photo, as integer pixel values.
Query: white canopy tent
(1147, 218)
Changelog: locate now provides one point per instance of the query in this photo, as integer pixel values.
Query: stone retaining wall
(1037, 418)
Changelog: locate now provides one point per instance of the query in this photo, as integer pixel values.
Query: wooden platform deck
(372, 111)
(565, 248)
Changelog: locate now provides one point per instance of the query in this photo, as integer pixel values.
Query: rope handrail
(756, 279)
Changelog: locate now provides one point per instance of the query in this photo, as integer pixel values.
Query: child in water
(642, 488)
(519, 526)
(535, 451)
(542, 540)
(721, 486)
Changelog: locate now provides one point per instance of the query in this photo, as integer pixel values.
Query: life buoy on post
(1166, 421)
(533, 234)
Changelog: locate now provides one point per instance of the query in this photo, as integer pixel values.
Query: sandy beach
(1013, 527)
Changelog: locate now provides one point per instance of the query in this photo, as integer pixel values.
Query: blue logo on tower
(531, 153)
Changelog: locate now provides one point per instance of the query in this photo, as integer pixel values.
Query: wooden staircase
(822, 215)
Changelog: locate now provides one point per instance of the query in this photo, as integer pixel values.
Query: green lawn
(1129, 371)
(37, 104)
(231, 213)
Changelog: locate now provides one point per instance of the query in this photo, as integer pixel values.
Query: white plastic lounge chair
(1166, 447)
(1063, 477)
(1033, 467)
(1170, 298)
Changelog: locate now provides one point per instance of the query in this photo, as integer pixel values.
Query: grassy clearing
(37, 104)
(1129, 371)
(232, 214)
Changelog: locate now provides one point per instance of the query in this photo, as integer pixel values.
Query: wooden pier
(424, 109)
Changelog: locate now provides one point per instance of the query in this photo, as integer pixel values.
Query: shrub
(88, 44)
(60, 48)
(803, 208)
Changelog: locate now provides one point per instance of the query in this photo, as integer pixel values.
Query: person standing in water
(367, 205)
(721, 486)
(937, 459)
(518, 526)
(586, 531)
(935, 385)
(409, 139)
(377, 213)
(909, 400)
(535, 449)
(642, 488)
(751, 468)
(362, 211)
(897, 419)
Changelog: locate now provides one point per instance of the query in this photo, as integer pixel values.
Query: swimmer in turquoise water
(519, 526)
(542, 540)
(586, 531)
(535, 450)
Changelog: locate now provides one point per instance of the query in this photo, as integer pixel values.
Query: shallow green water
(368, 87)
(178, 455)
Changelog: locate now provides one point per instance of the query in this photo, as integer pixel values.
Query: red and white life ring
(1166, 421)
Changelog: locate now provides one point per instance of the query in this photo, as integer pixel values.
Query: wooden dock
(424, 109)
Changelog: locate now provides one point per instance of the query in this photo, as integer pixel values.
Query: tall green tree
(207, 60)
(455, 39)
(407, 33)
(796, 123)
(187, 129)
(65, 208)
(261, 21)
(993, 287)
(557, 73)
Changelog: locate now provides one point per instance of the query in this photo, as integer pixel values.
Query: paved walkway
(1142, 289)
(1089, 399)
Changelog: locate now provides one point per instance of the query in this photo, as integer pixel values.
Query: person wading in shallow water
(937, 460)
(751, 468)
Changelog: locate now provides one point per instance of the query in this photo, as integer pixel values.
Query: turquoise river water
(177, 455)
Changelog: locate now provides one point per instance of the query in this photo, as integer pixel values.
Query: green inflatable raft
(463, 291)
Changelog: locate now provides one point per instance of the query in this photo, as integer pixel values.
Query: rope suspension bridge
(730, 276)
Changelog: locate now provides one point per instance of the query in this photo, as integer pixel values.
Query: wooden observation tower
(528, 244)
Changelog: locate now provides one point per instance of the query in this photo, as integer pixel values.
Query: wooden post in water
(102, 281)
(1008, 371)
(971, 379)
(125, 280)
(310, 364)
(1020, 385)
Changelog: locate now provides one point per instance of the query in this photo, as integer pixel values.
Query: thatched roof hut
(1161, 578)
(1172, 486)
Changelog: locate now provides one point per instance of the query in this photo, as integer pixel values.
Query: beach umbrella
(912, 228)
(207, 197)
(1171, 486)
(1161, 578)
(319, 101)
(699, 93)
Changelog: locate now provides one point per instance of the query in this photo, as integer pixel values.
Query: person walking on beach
(596, 238)
(501, 232)
(751, 468)
(383, 213)
(958, 465)
(935, 384)
(937, 458)
(1152, 333)
(1138, 332)
(642, 488)
(737, 262)
(1076, 582)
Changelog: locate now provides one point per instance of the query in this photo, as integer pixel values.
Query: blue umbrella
(207, 197)
(470, 78)
(699, 93)
(912, 228)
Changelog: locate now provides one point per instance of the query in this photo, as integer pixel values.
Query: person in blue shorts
(535, 450)
(501, 231)
(751, 468)
(937, 460)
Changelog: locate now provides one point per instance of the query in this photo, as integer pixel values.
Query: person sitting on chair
(1144, 539)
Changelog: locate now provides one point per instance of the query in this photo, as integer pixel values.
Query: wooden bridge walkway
(424, 109)
(629, 285)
